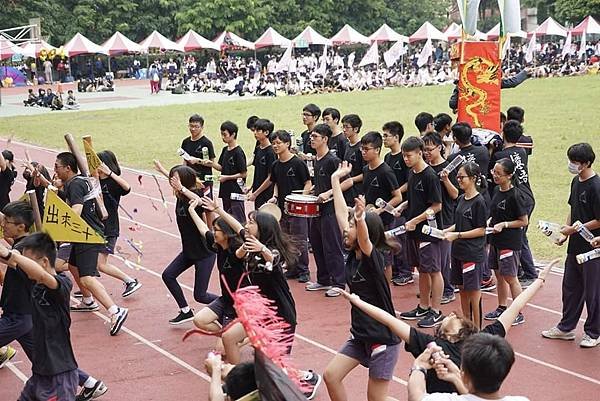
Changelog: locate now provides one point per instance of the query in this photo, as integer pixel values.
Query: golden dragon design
(486, 72)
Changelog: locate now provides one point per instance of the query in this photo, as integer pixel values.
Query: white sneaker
(589, 342)
(556, 334)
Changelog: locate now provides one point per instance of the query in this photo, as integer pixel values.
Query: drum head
(272, 209)
(301, 198)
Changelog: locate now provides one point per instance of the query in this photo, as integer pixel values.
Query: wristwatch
(417, 368)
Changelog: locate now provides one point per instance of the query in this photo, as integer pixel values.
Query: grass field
(559, 112)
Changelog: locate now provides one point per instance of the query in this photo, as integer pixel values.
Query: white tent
(548, 28)
(79, 44)
(494, 33)
(311, 37)
(157, 41)
(387, 34)
(271, 38)
(119, 44)
(349, 35)
(427, 31)
(194, 41)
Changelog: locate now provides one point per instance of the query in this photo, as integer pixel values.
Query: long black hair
(233, 238)
(509, 168)
(109, 158)
(377, 233)
(271, 235)
(187, 177)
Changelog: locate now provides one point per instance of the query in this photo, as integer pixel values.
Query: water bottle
(299, 143)
(586, 257)
(550, 230)
(184, 154)
(293, 143)
(458, 160)
(431, 222)
(433, 232)
(583, 231)
(489, 230)
(383, 204)
(241, 184)
(396, 231)
(238, 197)
(205, 153)
(311, 167)
(435, 355)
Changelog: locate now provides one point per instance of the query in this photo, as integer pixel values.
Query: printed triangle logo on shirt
(64, 225)
(263, 160)
(502, 205)
(419, 186)
(397, 165)
(291, 172)
(231, 161)
(352, 157)
(322, 172)
(358, 278)
(375, 183)
(468, 214)
(582, 197)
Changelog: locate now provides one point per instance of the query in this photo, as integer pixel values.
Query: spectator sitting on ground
(47, 102)
(71, 103)
(31, 100)
(57, 102)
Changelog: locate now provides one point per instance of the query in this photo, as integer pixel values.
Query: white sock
(129, 280)
(90, 382)
(88, 300)
(185, 309)
(113, 309)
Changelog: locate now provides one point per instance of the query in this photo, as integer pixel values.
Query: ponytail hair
(473, 170)
(509, 168)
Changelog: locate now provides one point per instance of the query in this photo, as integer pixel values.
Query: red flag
(479, 85)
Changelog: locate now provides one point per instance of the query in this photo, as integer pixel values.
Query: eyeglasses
(194, 126)
(315, 136)
(10, 222)
(307, 115)
(365, 149)
(461, 177)
(429, 150)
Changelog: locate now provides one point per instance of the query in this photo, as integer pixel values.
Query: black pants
(326, 241)
(203, 269)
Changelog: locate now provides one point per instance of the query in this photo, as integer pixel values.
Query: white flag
(469, 11)
(506, 47)
(285, 60)
(530, 49)
(393, 54)
(371, 57)
(425, 53)
(351, 58)
(510, 14)
(582, 46)
(566, 50)
(322, 70)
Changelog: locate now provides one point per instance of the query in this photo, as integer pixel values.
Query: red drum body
(301, 205)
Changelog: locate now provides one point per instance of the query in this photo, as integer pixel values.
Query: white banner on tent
(582, 46)
(371, 57)
(394, 53)
(285, 60)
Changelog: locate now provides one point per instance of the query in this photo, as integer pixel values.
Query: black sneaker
(488, 285)
(414, 314)
(495, 314)
(400, 281)
(130, 288)
(182, 318)
(431, 320)
(117, 320)
(304, 278)
(526, 282)
(520, 319)
(92, 393)
(312, 379)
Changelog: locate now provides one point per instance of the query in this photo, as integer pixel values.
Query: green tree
(573, 11)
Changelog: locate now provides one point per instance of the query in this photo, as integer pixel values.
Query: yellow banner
(64, 225)
(93, 160)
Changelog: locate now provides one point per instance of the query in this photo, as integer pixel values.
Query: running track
(148, 361)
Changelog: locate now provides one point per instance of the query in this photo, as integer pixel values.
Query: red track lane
(164, 366)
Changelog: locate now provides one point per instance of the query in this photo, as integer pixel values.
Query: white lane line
(558, 368)
(153, 341)
(11, 366)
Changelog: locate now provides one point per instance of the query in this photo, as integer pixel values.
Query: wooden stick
(37, 218)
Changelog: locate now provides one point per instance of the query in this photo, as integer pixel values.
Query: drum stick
(37, 218)
(82, 164)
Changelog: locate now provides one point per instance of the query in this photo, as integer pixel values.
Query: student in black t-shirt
(36, 175)
(424, 196)
(338, 142)
(525, 141)
(351, 124)
(83, 258)
(263, 158)
(393, 132)
(325, 238)
(467, 235)
(508, 216)
(53, 361)
(195, 251)
(199, 147)
(424, 123)
(462, 134)
(7, 176)
(451, 334)
(581, 282)
(310, 116)
(371, 343)
(232, 165)
(434, 155)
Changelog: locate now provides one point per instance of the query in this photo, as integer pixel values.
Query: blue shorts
(62, 386)
(380, 359)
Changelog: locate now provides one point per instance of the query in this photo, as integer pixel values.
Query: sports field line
(22, 376)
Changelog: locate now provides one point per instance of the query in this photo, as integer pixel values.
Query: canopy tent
(194, 41)
(494, 33)
(387, 34)
(79, 44)
(589, 25)
(427, 31)
(229, 39)
(310, 37)
(33, 49)
(8, 48)
(271, 38)
(349, 35)
(119, 44)
(548, 28)
(157, 41)
(454, 32)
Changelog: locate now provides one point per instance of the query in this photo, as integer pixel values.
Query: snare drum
(301, 205)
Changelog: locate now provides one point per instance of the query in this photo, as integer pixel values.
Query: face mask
(573, 168)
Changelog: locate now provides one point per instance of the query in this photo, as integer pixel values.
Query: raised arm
(200, 224)
(117, 178)
(160, 168)
(339, 203)
(212, 206)
(31, 268)
(362, 232)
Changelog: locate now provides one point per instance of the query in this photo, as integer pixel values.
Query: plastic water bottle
(242, 185)
(396, 231)
(433, 232)
(184, 154)
(436, 354)
(458, 160)
(311, 167)
(583, 231)
(431, 222)
(299, 143)
(205, 153)
(586, 257)
(383, 204)
(550, 230)
(238, 197)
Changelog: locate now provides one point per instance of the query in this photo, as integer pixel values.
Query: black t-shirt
(353, 155)
(418, 343)
(338, 144)
(324, 169)
(193, 243)
(76, 192)
(519, 157)
(379, 183)
(396, 162)
(507, 206)
(111, 194)
(289, 176)
(585, 206)
(7, 178)
(262, 162)
(424, 189)
(365, 278)
(448, 204)
(232, 161)
(231, 270)
(52, 351)
(15, 296)
(477, 154)
(469, 215)
(194, 149)
(306, 148)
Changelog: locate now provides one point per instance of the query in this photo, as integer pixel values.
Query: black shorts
(61, 387)
(109, 247)
(64, 251)
(218, 307)
(85, 258)
(426, 256)
(505, 261)
(466, 274)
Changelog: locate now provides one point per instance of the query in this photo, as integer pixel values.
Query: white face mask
(573, 168)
